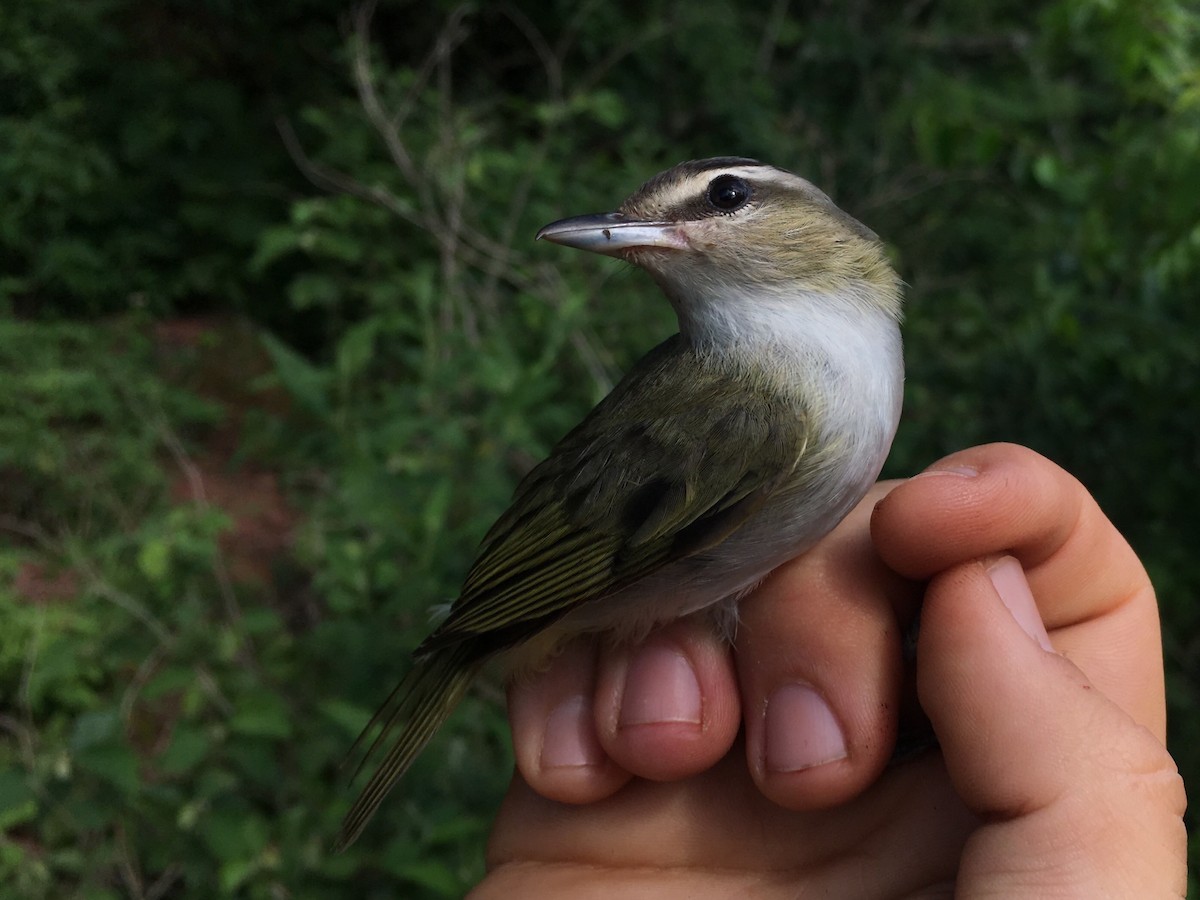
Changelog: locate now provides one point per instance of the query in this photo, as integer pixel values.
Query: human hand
(1052, 779)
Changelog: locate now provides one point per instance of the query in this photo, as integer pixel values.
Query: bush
(225, 532)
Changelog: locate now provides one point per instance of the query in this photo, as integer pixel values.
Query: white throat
(843, 346)
(842, 351)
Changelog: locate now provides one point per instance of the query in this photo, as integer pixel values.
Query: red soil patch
(221, 360)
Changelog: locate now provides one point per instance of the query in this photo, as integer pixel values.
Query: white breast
(848, 354)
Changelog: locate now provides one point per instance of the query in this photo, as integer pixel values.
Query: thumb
(1076, 798)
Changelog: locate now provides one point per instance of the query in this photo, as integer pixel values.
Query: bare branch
(163, 884)
(127, 864)
(435, 196)
(388, 127)
(24, 735)
(475, 248)
(618, 53)
(233, 608)
(60, 545)
(338, 182)
(26, 529)
(551, 60)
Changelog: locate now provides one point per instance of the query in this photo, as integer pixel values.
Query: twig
(141, 675)
(25, 702)
(125, 864)
(475, 249)
(551, 59)
(385, 126)
(61, 546)
(26, 529)
(163, 884)
(123, 600)
(770, 36)
(334, 181)
(229, 598)
(596, 75)
(24, 737)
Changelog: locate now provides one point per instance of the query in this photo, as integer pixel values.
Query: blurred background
(276, 344)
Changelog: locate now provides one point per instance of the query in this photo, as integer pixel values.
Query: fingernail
(660, 686)
(1008, 578)
(570, 736)
(962, 471)
(801, 730)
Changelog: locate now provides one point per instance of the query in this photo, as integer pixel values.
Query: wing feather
(669, 463)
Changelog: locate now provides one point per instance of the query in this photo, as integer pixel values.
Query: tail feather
(419, 705)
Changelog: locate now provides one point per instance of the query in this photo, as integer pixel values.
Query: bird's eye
(728, 193)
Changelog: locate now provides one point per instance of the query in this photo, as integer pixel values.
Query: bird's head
(715, 229)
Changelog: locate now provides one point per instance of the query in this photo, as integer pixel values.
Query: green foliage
(362, 196)
(143, 184)
(164, 733)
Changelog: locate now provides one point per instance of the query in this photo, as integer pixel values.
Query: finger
(715, 836)
(552, 715)
(1071, 790)
(668, 707)
(819, 660)
(1092, 591)
(1004, 497)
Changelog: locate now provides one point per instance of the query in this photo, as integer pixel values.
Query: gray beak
(610, 233)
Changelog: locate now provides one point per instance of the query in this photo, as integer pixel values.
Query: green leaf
(113, 763)
(350, 717)
(261, 714)
(307, 383)
(170, 680)
(233, 833)
(94, 727)
(154, 559)
(608, 108)
(356, 348)
(430, 874)
(273, 244)
(189, 745)
(17, 801)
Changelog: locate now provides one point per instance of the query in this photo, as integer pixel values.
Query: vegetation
(277, 344)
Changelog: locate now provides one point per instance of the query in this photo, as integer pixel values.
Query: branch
(338, 182)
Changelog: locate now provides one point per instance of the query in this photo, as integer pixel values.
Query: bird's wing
(639, 483)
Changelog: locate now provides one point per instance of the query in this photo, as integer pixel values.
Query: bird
(730, 448)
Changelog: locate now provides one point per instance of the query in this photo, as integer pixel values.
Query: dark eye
(728, 192)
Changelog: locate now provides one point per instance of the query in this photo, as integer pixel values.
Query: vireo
(728, 449)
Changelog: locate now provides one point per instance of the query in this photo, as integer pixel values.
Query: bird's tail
(418, 706)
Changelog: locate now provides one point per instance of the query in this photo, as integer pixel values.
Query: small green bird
(727, 450)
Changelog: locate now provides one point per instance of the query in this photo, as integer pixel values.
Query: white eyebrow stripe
(694, 185)
(683, 191)
(763, 173)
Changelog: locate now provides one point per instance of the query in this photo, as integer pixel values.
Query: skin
(638, 779)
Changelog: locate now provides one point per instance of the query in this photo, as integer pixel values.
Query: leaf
(273, 244)
(430, 874)
(356, 348)
(608, 108)
(168, 681)
(261, 714)
(314, 290)
(154, 559)
(17, 801)
(307, 383)
(114, 763)
(189, 745)
(350, 717)
(94, 727)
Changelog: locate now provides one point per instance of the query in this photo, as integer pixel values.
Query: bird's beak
(610, 233)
